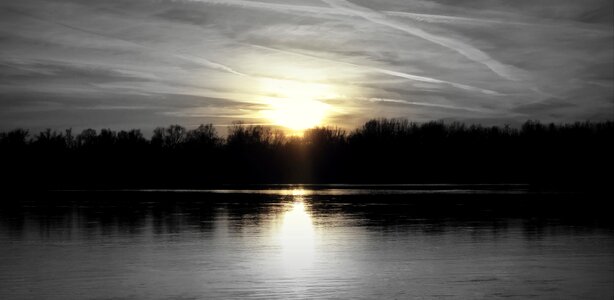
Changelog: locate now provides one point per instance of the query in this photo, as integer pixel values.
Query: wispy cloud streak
(425, 104)
(445, 19)
(76, 63)
(188, 57)
(386, 71)
(282, 8)
(462, 48)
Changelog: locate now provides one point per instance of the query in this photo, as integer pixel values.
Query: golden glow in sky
(296, 105)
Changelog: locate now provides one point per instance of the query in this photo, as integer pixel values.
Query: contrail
(217, 66)
(434, 80)
(466, 50)
(345, 8)
(431, 18)
(284, 8)
(446, 19)
(189, 57)
(209, 64)
(387, 72)
(423, 104)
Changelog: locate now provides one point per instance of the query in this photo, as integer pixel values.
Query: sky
(144, 63)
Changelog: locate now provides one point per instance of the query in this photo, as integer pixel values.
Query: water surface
(303, 243)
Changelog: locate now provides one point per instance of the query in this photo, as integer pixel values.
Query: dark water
(302, 243)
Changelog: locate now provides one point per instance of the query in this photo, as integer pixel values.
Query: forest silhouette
(560, 156)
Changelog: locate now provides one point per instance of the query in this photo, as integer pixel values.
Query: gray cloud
(23, 71)
(464, 49)
(548, 106)
(137, 63)
(185, 15)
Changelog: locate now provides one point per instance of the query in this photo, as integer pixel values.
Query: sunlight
(296, 114)
(296, 105)
(296, 192)
(297, 237)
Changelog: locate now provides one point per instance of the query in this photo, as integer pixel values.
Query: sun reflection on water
(297, 235)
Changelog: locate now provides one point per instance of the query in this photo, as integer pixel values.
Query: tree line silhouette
(569, 156)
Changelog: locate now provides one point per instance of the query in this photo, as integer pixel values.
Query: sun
(297, 114)
(296, 105)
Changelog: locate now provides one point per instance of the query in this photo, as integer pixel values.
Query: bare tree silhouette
(380, 151)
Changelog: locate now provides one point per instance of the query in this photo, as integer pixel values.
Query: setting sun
(297, 114)
(296, 105)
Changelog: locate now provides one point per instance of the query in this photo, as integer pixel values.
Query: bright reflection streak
(298, 192)
(297, 236)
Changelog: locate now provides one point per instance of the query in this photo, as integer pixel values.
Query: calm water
(302, 243)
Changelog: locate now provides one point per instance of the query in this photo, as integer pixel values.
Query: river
(288, 242)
